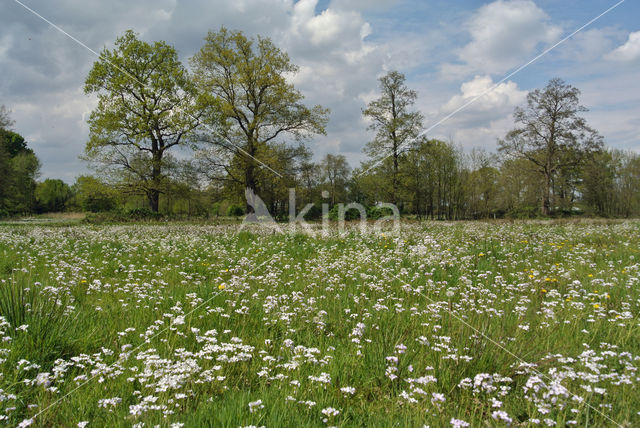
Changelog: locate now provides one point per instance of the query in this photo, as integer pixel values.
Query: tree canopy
(247, 80)
(551, 135)
(147, 104)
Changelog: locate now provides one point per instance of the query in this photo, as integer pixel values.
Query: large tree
(394, 122)
(551, 135)
(247, 80)
(147, 105)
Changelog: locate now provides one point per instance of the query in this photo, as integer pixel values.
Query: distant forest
(170, 141)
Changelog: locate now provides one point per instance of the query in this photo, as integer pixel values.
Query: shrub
(235, 211)
(143, 214)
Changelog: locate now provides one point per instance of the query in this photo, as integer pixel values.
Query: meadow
(438, 324)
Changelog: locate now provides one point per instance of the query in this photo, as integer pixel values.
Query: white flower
(348, 390)
(330, 411)
(255, 405)
(458, 423)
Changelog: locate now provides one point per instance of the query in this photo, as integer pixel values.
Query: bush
(235, 211)
(135, 214)
(143, 214)
(375, 213)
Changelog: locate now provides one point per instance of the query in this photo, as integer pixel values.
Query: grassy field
(465, 324)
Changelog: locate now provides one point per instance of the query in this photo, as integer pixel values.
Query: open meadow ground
(438, 324)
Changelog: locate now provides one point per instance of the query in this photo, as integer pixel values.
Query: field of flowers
(466, 324)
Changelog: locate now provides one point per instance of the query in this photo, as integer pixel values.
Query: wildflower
(330, 411)
(348, 390)
(437, 398)
(255, 405)
(459, 423)
(221, 287)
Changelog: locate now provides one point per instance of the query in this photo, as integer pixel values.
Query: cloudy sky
(450, 51)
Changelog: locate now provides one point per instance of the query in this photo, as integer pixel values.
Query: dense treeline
(168, 141)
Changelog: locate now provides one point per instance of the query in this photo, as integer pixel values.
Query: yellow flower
(590, 275)
(83, 281)
(481, 255)
(608, 296)
(543, 290)
(221, 287)
(547, 279)
(531, 276)
(596, 306)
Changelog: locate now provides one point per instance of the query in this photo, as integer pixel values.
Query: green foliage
(19, 167)
(52, 195)
(395, 126)
(235, 211)
(551, 136)
(92, 195)
(246, 82)
(147, 105)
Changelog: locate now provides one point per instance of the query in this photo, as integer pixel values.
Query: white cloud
(629, 52)
(44, 71)
(484, 120)
(492, 103)
(506, 33)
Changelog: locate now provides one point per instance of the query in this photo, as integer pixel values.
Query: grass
(488, 323)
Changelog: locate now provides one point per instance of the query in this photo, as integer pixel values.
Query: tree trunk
(250, 184)
(546, 196)
(154, 198)
(156, 171)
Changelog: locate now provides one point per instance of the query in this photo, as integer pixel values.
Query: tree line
(165, 139)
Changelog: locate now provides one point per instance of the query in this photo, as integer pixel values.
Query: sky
(450, 51)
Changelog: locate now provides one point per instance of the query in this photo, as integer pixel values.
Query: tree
(93, 195)
(52, 195)
(393, 122)
(247, 80)
(551, 135)
(147, 105)
(335, 172)
(5, 119)
(19, 168)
